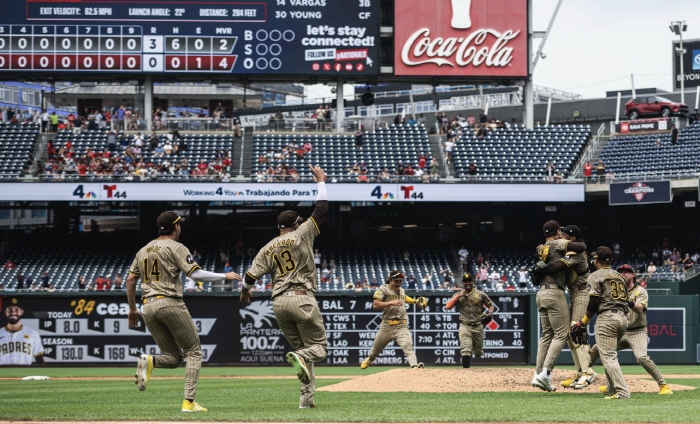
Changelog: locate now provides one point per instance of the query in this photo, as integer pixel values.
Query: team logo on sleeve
(190, 259)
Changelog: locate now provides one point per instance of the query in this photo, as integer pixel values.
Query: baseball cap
(603, 253)
(287, 219)
(643, 283)
(467, 277)
(572, 230)
(625, 268)
(396, 274)
(550, 228)
(14, 302)
(167, 220)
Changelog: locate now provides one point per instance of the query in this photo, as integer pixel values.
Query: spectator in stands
(406, 257)
(190, 285)
(10, 264)
(674, 135)
(28, 281)
(411, 282)
(588, 170)
(421, 120)
(483, 119)
(495, 277)
(82, 283)
(54, 122)
(409, 171)
(449, 145)
(559, 177)
(434, 169)
(359, 138)
(45, 280)
(428, 281)
(549, 171)
(50, 288)
(398, 120)
(500, 285)
(483, 276)
(100, 283)
(118, 281)
(674, 260)
(349, 286)
(45, 119)
(412, 120)
(20, 281)
(463, 255)
(196, 257)
(446, 277)
(688, 263)
(600, 171)
(422, 161)
(471, 121)
(651, 269)
(472, 171)
(522, 278)
(609, 177)
(317, 257)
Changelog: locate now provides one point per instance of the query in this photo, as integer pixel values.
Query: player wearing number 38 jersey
(159, 265)
(289, 259)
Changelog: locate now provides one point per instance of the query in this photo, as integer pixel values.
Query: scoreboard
(321, 38)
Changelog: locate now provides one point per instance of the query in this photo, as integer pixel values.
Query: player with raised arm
(289, 259)
(159, 265)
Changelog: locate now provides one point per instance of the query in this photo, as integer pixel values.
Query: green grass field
(277, 399)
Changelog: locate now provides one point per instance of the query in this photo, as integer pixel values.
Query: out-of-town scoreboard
(322, 38)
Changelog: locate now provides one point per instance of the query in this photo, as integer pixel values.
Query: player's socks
(466, 362)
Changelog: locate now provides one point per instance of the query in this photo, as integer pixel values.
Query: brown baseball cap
(467, 277)
(288, 219)
(550, 228)
(572, 230)
(167, 220)
(603, 254)
(396, 274)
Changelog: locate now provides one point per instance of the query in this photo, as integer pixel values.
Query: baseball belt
(394, 321)
(551, 286)
(152, 298)
(297, 293)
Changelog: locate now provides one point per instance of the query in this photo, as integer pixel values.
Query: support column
(148, 101)
(528, 104)
(340, 105)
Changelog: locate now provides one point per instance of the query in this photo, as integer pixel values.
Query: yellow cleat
(144, 369)
(193, 406)
(613, 397)
(665, 389)
(603, 389)
(365, 363)
(571, 381)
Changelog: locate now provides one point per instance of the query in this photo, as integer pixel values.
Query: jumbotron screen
(321, 38)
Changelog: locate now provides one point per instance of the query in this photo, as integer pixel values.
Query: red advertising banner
(479, 38)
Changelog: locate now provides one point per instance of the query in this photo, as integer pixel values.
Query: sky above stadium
(595, 45)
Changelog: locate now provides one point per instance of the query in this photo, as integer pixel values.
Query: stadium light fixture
(678, 28)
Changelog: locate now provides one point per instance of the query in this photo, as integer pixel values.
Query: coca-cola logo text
(461, 51)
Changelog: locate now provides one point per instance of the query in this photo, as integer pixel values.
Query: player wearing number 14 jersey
(158, 265)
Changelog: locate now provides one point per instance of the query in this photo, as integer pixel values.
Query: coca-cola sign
(480, 38)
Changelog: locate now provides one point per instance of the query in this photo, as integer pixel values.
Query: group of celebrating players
(288, 258)
(620, 304)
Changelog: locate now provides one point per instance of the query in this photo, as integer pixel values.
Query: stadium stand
(16, 144)
(653, 154)
(338, 154)
(518, 154)
(93, 159)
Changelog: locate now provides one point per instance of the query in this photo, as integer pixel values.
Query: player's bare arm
(378, 304)
(134, 313)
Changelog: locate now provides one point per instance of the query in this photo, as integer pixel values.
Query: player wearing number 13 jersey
(159, 265)
(289, 259)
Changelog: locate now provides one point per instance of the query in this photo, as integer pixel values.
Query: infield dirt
(476, 380)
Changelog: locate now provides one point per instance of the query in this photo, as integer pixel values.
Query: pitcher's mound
(458, 380)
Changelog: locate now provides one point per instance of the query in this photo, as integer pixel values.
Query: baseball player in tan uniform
(391, 299)
(19, 345)
(551, 303)
(608, 297)
(159, 265)
(470, 303)
(289, 259)
(576, 270)
(636, 337)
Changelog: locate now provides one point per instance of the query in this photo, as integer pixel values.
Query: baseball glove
(485, 318)
(579, 333)
(536, 274)
(422, 303)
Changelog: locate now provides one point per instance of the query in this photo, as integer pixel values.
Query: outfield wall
(91, 329)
